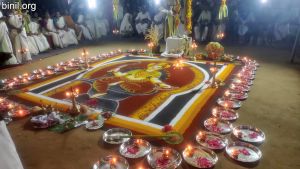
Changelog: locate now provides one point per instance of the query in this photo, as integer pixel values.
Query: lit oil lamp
(214, 70)
(150, 46)
(178, 64)
(112, 163)
(166, 155)
(24, 80)
(233, 87)
(10, 105)
(235, 153)
(49, 72)
(19, 112)
(25, 75)
(84, 54)
(73, 93)
(215, 121)
(11, 85)
(23, 51)
(115, 31)
(227, 94)
(220, 35)
(194, 47)
(202, 135)
(226, 105)
(138, 142)
(215, 110)
(189, 151)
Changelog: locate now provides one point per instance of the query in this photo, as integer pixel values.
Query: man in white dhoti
(67, 35)
(37, 36)
(101, 24)
(5, 43)
(142, 21)
(19, 37)
(83, 29)
(90, 24)
(126, 28)
(159, 20)
(50, 30)
(203, 21)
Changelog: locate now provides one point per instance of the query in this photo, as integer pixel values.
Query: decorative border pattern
(181, 123)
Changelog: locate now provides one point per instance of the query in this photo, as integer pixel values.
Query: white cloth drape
(5, 43)
(19, 39)
(39, 38)
(68, 36)
(126, 26)
(141, 27)
(101, 27)
(51, 31)
(9, 158)
(83, 29)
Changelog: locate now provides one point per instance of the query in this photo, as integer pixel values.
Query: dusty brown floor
(273, 106)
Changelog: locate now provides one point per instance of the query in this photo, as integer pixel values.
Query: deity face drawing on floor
(137, 81)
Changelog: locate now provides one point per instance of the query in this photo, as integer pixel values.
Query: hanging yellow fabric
(223, 12)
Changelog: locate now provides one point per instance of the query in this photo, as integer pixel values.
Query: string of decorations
(188, 16)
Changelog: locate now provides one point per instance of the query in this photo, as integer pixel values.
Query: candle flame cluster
(72, 92)
(213, 69)
(178, 64)
(23, 50)
(221, 35)
(115, 31)
(151, 45)
(194, 45)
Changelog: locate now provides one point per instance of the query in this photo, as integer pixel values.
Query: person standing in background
(51, 31)
(67, 34)
(142, 21)
(19, 37)
(5, 43)
(126, 28)
(38, 37)
(204, 21)
(83, 29)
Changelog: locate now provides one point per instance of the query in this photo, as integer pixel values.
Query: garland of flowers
(223, 12)
(188, 16)
(177, 9)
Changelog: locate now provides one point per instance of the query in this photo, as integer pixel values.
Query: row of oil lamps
(75, 63)
(10, 110)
